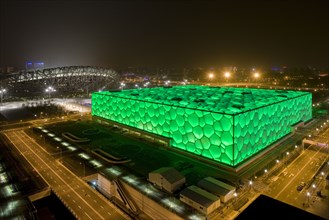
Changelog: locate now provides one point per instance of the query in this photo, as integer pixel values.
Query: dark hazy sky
(165, 33)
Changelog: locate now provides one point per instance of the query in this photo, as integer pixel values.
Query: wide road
(84, 202)
(284, 188)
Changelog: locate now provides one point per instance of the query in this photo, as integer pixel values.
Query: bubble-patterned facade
(227, 125)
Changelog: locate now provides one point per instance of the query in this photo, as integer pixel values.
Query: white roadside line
(84, 183)
(88, 215)
(28, 160)
(101, 217)
(296, 175)
(34, 141)
(91, 191)
(87, 187)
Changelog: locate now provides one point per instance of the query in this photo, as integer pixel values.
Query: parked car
(301, 186)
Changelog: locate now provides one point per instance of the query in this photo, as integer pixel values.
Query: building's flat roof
(215, 186)
(170, 174)
(224, 100)
(199, 195)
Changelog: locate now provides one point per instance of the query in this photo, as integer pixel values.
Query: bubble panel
(227, 125)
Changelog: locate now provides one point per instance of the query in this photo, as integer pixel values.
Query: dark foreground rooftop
(265, 207)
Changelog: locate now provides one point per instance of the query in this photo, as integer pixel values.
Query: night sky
(165, 33)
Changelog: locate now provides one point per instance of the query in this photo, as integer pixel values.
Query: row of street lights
(228, 75)
(313, 189)
(278, 163)
(50, 90)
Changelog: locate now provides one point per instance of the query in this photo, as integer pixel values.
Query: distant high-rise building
(39, 65)
(34, 65)
(29, 65)
(7, 69)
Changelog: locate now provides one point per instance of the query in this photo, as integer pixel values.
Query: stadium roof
(199, 195)
(170, 174)
(225, 100)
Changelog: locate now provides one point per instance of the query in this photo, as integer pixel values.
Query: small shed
(200, 199)
(167, 178)
(218, 188)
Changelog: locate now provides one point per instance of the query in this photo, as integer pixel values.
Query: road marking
(109, 213)
(79, 207)
(31, 146)
(34, 141)
(88, 215)
(306, 164)
(73, 200)
(22, 153)
(23, 133)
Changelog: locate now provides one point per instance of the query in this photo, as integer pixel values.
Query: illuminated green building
(223, 124)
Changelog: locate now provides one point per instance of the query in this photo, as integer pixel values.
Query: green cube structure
(224, 124)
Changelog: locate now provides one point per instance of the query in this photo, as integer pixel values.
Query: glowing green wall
(209, 134)
(259, 128)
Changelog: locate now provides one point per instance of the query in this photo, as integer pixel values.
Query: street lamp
(2, 92)
(308, 197)
(60, 156)
(122, 85)
(49, 90)
(287, 158)
(256, 76)
(235, 196)
(250, 184)
(227, 75)
(84, 168)
(211, 75)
